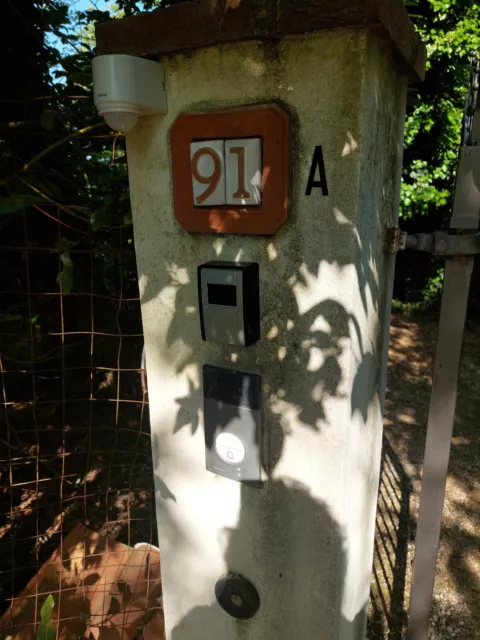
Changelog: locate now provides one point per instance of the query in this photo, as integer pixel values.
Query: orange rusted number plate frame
(268, 122)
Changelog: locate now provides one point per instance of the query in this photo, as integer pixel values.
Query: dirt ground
(456, 610)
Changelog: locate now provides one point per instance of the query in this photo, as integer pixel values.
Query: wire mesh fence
(75, 451)
(393, 530)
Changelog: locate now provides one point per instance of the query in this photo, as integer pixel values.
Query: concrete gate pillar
(304, 539)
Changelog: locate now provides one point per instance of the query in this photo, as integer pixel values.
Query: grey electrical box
(233, 410)
(229, 302)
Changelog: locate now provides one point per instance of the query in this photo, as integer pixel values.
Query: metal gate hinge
(394, 240)
(439, 243)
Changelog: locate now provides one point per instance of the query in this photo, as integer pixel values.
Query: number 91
(213, 179)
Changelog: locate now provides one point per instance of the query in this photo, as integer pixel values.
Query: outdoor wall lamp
(127, 87)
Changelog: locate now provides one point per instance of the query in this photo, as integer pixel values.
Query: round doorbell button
(230, 448)
(237, 596)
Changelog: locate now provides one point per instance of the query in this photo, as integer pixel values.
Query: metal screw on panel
(236, 600)
(441, 246)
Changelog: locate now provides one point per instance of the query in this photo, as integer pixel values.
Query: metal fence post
(441, 417)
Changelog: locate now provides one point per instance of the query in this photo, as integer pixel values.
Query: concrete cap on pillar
(191, 25)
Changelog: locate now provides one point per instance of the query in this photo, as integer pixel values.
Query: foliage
(55, 152)
(65, 276)
(451, 31)
(65, 225)
(87, 175)
(47, 630)
(58, 160)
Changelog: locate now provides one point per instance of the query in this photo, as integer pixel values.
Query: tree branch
(49, 149)
(63, 207)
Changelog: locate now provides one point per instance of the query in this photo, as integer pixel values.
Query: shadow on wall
(310, 344)
(305, 357)
(295, 572)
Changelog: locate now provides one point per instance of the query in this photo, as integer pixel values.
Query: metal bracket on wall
(439, 243)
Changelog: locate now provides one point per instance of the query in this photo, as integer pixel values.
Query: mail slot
(229, 302)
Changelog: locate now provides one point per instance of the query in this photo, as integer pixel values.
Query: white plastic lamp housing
(126, 88)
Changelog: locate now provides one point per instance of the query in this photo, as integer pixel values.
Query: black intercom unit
(229, 301)
(233, 410)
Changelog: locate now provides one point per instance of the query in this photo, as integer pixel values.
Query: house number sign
(231, 170)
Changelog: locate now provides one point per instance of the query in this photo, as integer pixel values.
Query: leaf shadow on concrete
(310, 344)
(317, 341)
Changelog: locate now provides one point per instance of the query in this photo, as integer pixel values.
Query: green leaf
(47, 608)
(47, 631)
(63, 245)
(65, 276)
(101, 217)
(16, 202)
(57, 14)
(48, 119)
(81, 78)
(95, 15)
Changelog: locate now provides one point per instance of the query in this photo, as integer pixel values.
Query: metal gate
(459, 247)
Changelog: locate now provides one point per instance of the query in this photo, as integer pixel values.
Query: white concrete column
(305, 540)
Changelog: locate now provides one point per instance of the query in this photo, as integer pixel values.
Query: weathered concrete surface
(190, 25)
(306, 539)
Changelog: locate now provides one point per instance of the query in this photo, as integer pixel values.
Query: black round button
(237, 596)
